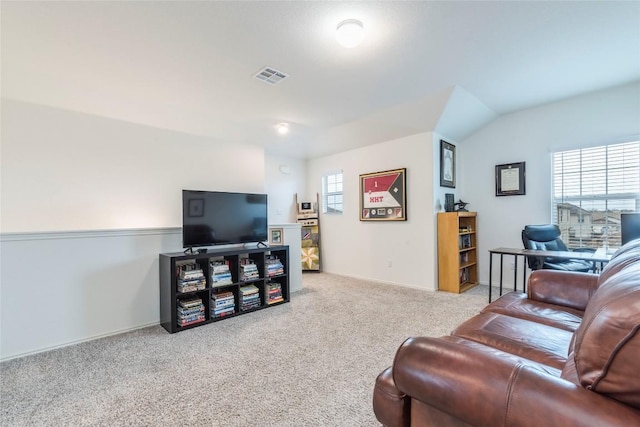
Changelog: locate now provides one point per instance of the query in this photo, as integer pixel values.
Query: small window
(332, 198)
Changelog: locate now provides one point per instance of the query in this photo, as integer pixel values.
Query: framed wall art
(275, 236)
(447, 164)
(510, 179)
(383, 196)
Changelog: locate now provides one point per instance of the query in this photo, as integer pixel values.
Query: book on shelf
(274, 293)
(190, 311)
(274, 266)
(249, 297)
(464, 275)
(190, 277)
(248, 270)
(464, 241)
(464, 257)
(223, 304)
(220, 273)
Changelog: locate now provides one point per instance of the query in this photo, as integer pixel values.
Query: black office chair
(547, 238)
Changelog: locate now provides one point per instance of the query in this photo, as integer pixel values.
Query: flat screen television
(629, 227)
(219, 218)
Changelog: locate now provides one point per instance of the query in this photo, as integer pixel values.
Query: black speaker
(448, 202)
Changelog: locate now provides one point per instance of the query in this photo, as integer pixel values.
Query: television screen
(629, 227)
(219, 218)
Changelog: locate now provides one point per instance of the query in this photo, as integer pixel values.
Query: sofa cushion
(518, 305)
(606, 346)
(530, 340)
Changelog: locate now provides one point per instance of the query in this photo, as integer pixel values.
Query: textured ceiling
(189, 66)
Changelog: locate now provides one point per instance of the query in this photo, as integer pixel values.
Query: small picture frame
(447, 164)
(510, 179)
(275, 236)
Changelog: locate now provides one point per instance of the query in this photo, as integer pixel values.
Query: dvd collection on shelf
(249, 297)
(220, 273)
(464, 241)
(190, 311)
(190, 278)
(275, 293)
(223, 304)
(199, 289)
(273, 266)
(464, 275)
(248, 270)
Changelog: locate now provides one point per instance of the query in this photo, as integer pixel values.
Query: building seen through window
(591, 188)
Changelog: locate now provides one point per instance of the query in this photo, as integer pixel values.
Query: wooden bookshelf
(457, 251)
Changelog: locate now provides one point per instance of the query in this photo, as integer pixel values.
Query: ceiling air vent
(271, 75)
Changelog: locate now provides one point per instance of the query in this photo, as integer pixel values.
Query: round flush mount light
(282, 128)
(350, 33)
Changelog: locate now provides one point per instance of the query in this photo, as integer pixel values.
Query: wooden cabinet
(200, 288)
(457, 251)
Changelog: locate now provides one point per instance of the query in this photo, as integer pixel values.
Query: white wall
(62, 288)
(64, 170)
(284, 178)
(605, 117)
(363, 249)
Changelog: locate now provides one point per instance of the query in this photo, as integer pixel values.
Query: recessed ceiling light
(283, 128)
(350, 33)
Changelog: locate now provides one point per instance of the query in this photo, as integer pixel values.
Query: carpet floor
(312, 362)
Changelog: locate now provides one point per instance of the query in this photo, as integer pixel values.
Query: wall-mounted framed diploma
(510, 179)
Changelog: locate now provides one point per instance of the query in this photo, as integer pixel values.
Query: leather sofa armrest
(565, 288)
(390, 405)
(482, 386)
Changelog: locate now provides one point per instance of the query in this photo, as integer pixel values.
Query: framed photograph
(447, 164)
(383, 196)
(275, 236)
(196, 208)
(510, 179)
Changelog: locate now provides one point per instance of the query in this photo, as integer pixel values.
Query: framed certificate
(510, 179)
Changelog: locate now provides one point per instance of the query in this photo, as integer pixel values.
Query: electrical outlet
(389, 263)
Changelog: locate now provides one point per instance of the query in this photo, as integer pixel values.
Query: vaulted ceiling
(448, 67)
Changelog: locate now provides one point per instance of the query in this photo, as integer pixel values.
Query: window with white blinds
(332, 197)
(591, 187)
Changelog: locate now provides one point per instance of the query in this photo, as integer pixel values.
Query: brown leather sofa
(567, 353)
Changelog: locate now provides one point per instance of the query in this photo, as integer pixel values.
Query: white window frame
(593, 186)
(333, 193)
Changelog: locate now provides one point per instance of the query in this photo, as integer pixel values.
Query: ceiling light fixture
(283, 128)
(350, 33)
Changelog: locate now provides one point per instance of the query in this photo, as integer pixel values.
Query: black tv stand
(270, 285)
(262, 244)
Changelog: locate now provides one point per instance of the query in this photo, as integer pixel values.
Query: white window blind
(591, 187)
(332, 197)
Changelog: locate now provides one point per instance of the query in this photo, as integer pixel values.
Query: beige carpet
(311, 362)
